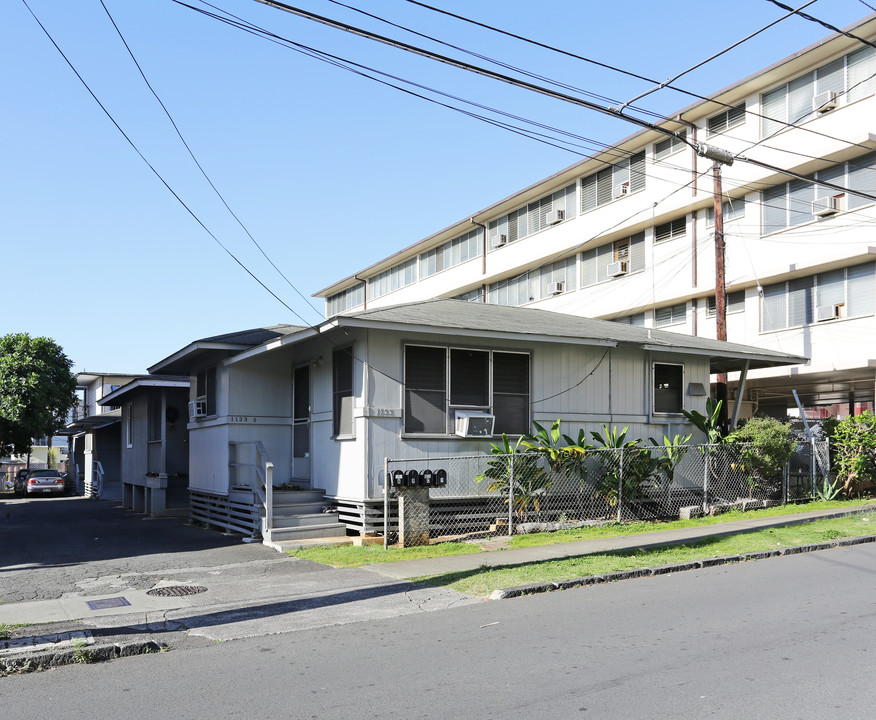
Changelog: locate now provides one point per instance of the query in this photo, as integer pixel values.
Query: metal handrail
(264, 487)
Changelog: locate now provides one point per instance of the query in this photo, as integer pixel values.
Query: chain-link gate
(484, 495)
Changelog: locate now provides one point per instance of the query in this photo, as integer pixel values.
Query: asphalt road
(786, 638)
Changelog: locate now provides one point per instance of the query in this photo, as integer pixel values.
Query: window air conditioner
(555, 288)
(619, 191)
(824, 101)
(197, 409)
(555, 216)
(474, 424)
(616, 269)
(822, 207)
(827, 312)
(498, 241)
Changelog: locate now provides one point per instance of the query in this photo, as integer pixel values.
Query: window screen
(342, 391)
(425, 389)
(667, 388)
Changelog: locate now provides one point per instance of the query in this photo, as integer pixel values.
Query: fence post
(706, 478)
(620, 487)
(385, 503)
(812, 451)
(786, 483)
(511, 496)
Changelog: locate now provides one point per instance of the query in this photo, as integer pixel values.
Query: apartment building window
(451, 253)
(846, 292)
(671, 230)
(726, 119)
(613, 182)
(735, 303)
(205, 389)
(553, 279)
(393, 279)
(731, 209)
(670, 145)
(668, 386)
(485, 380)
(671, 315)
(819, 90)
(637, 319)
(342, 392)
(549, 210)
(601, 263)
(791, 203)
(476, 295)
(345, 300)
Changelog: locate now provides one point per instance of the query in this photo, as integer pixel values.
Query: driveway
(60, 555)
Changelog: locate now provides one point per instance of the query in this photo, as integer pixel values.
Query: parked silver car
(40, 482)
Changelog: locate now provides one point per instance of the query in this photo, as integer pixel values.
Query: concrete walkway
(408, 569)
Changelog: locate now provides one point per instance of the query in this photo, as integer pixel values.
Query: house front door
(301, 424)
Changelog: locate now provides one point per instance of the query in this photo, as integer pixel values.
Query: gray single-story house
(320, 408)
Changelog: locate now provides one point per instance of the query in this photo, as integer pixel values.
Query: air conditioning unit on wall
(555, 288)
(616, 269)
(555, 216)
(470, 423)
(197, 409)
(498, 241)
(618, 191)
(824, 101)
(828, 312)
(825, 206)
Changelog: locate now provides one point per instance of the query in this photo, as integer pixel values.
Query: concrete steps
(298, 516)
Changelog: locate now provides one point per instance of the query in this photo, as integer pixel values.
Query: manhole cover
(177, 590)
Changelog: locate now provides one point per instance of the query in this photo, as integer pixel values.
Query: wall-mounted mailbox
(440, 478)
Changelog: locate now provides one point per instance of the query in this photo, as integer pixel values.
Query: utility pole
(720, 286)
(720, 157)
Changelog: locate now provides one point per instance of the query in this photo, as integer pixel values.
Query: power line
(195, 159)
(621, 70)
(811, 18)
(151, 167)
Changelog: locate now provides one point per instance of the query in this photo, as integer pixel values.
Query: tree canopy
(37, 390)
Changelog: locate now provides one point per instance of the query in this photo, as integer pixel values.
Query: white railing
(263, 469)
(97, 475)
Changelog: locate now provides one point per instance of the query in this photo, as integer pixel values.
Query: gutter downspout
(364, 291)
(484, 248)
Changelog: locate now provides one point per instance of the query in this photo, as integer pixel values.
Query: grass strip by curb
(534, 588)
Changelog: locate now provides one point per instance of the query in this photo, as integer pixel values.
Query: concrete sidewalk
(408, 569)
(262, 595)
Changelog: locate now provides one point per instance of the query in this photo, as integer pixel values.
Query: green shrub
(853, 449)
(767, 445)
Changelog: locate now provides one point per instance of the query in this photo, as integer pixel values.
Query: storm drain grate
(177, 590)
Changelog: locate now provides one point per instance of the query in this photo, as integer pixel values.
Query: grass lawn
(483, 581)
(349, 556)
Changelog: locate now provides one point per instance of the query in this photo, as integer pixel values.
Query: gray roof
(450, 316)
(217, 347)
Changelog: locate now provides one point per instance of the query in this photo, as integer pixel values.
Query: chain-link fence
(530, 492)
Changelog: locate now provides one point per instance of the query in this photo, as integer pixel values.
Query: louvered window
(345, 300)
(450, 254)
(732, 209)
(605, 185)
(851, 75)
(534, 285)
(485, 380)
(393, 279)
(637, 319)
(735, 303)
(476, 295)
(671, 315)
(790, 204)
(595, 262)
(670, 230)
(847, 292)
(726, 119)
(532, 218)
(670, 145)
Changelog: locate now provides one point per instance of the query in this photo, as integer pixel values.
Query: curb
(33, 662)
(541, 587)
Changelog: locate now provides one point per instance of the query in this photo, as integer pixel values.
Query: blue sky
(329, 172)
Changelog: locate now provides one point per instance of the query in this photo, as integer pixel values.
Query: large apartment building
(628, 234)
